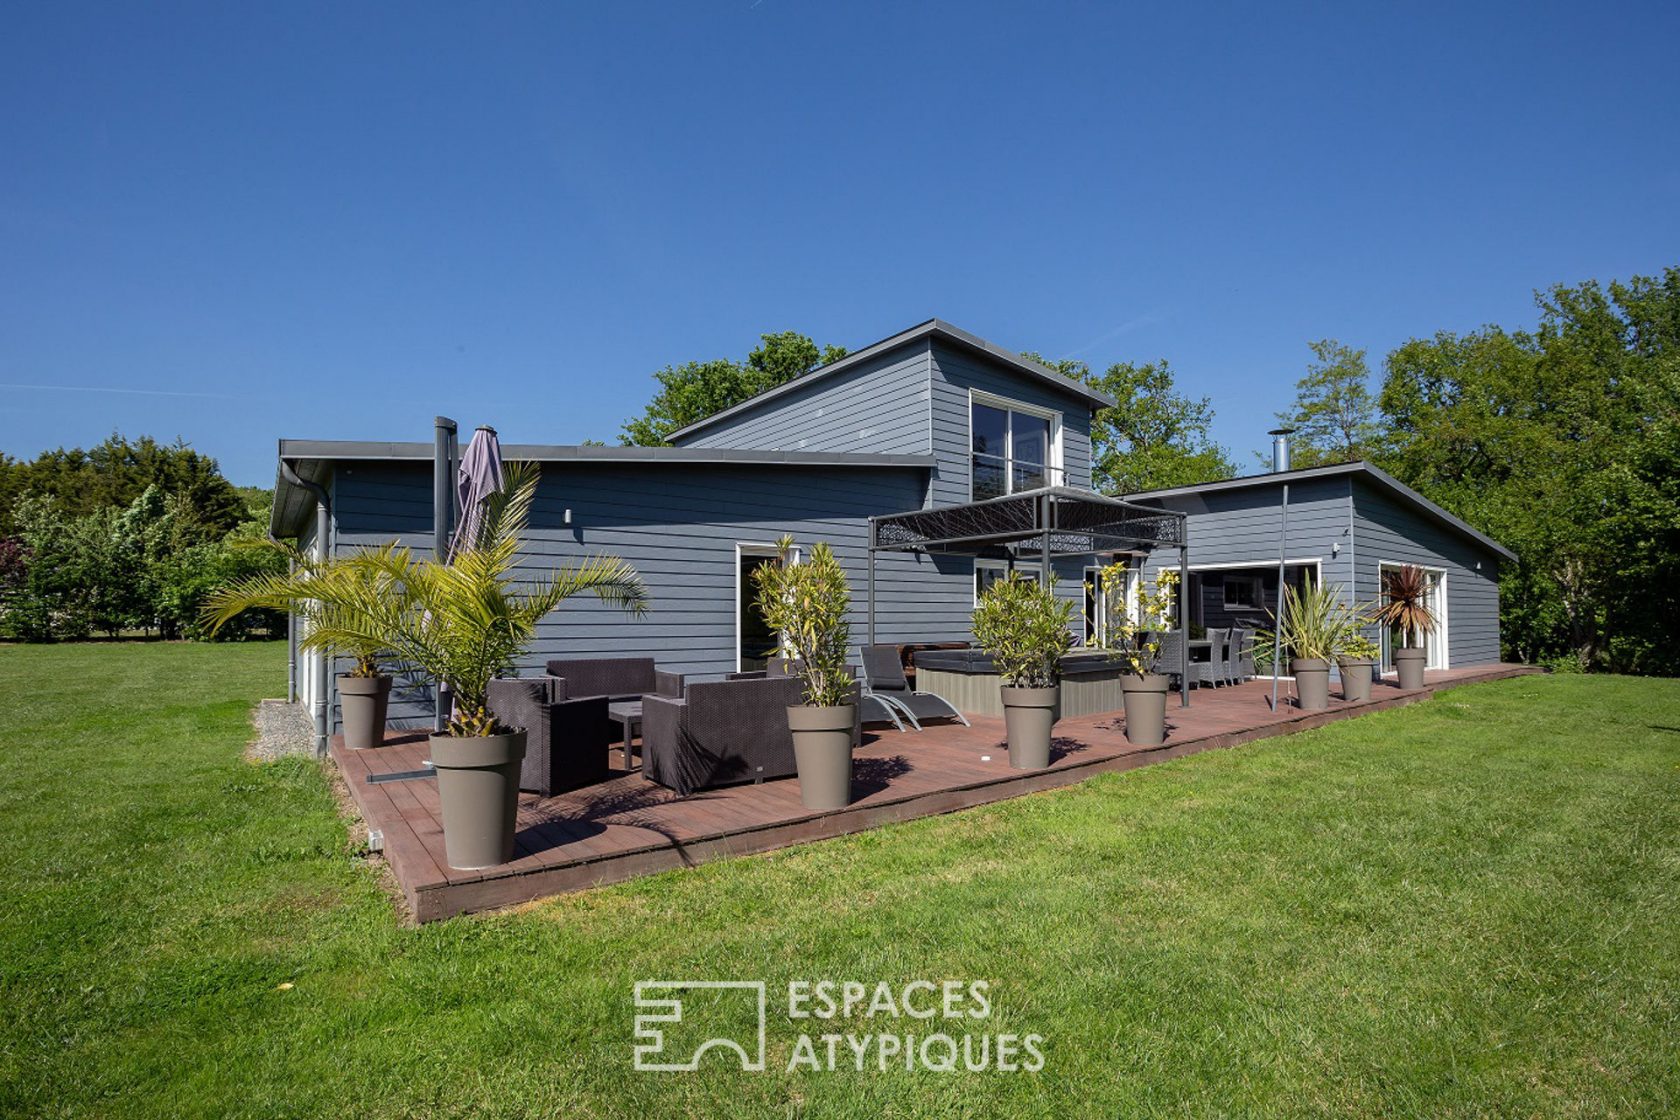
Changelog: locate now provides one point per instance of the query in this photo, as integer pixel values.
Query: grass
(1464, 908)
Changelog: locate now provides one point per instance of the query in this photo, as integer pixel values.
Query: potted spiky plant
(1316, 622)
(1405, 609)
(464, 623)
(1024, 627)
(1355, 662)
(806, 605)
(1136, 644)
(342, 605)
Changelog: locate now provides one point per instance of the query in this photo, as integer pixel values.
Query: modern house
(932, 418)
(1345, 525)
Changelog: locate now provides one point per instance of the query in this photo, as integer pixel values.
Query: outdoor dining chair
(1242, 655)
(884, 679)
(1212, 671)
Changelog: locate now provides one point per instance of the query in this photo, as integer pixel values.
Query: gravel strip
(282, 729)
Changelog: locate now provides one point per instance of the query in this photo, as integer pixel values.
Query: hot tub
(969, 680)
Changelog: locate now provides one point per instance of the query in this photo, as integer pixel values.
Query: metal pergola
(1055, 521)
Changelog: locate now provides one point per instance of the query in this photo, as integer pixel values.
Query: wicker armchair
(1242, 655)
(722, 733)
(565, 740)
(1213, 670)
(1170, 660)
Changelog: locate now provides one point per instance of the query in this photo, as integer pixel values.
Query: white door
(1435, 643)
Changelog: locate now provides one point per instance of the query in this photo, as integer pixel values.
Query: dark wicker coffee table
(628, 713)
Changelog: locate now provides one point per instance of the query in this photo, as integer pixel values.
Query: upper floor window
(1013, 447)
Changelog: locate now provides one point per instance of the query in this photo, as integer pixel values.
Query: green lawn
(1469, 907)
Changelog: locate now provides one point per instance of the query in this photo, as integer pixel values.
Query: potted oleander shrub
(806, 604)
(1316, 623)
(342, 606)
(466, 622)
(1405, 609)
(1356, 662)
(1135, 642)
(1024, 627)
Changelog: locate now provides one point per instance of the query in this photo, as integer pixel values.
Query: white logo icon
(657, 1004)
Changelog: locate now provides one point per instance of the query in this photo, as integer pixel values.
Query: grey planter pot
(1029, 714)
(1312, 683)
(1356, 678)
(478, 783)
(822, 750)
(1408, 663)
(1145, 700)
(363, 701)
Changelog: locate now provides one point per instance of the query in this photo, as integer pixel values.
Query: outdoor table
(628, 713)
(1202, 645)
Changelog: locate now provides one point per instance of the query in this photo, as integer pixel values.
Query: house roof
(312, 459)
(932, 329)
(1360, 469)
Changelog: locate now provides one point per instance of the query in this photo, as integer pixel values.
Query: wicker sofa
(616, 678)
(566, 740)
(722, 732)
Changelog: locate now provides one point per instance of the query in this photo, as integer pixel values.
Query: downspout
(323, 529)
(291, 645)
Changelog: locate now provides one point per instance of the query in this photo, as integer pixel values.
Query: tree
(1564, 443)
(695, 390)
(115, 473)
(1335, 413)
(1153, 437)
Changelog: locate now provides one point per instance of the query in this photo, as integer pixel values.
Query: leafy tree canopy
(1564, 443)
(1335, 413)
(695, 390)
(114, 473)
(1154, 436)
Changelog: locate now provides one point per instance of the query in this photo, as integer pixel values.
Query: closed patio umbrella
(479, 477)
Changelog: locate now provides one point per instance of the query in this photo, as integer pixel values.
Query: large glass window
(988, 572)
(991, 452)
(1012, 450)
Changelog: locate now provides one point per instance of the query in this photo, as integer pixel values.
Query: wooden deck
(628, 826)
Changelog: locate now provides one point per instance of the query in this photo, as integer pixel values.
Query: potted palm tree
(1316, 623)
(806, 605)
(1136, 644)
(1355, 662)
(1405, 609)
(1024, 627)
(463, 623)
(342, 605)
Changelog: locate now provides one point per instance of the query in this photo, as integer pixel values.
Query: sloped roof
(933, 328)
(311, 459)
(1364, 470)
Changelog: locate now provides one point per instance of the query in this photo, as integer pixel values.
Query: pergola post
(1184, 623)
(869, 628)
(1044, 544)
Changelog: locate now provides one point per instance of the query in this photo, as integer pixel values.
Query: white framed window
(1012, 446)
(1243, 592)
(988, 572)
(754, 640)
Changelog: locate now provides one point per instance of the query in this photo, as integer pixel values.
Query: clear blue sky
(239, 222)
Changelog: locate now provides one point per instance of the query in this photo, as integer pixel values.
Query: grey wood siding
(679, 527)
(880, 406)
(1245, 527)
(954, 373)
(1390, 530)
